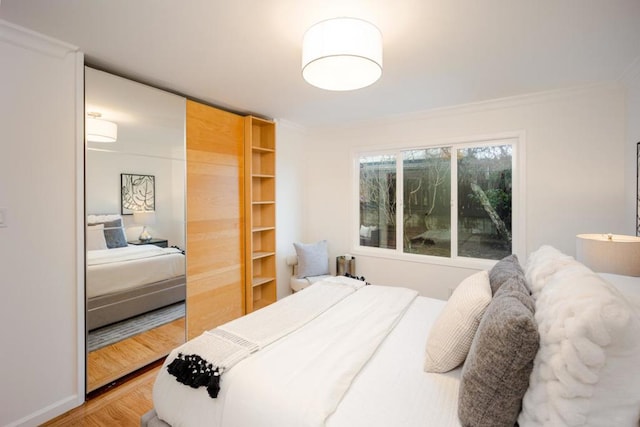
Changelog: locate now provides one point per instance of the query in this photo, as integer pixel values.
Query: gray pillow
(114, 234)
(495, 375)
(313, 259)
(504, 269)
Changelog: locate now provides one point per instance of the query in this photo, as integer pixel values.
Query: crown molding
(25, 38)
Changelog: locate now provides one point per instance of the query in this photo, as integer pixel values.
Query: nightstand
(163, 243)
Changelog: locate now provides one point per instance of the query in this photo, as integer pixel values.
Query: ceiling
(245, 55)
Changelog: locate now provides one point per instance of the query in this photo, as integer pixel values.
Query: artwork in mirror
(135, 289)
(137, 192)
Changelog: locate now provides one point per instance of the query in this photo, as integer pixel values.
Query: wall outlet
(3, 217)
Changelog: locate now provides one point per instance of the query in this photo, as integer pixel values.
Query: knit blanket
(201, 361)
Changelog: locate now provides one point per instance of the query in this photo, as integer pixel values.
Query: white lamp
(144, 218)
(100, 130)
(342, 54)
(609, 253)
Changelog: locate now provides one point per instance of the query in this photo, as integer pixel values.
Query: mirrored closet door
(135, 225)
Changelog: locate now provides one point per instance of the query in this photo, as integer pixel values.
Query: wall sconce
(609, 253)
(144, 218)
(342, 54)
(99, 130)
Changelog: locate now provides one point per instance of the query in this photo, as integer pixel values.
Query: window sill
(459, 262)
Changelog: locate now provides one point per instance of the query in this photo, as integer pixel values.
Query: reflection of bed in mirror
(124, 280)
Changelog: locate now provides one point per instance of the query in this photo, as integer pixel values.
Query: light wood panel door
(215, 217)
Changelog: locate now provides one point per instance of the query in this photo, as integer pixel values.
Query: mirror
(135, 189)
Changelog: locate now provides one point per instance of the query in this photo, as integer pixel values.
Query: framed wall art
(137, 192)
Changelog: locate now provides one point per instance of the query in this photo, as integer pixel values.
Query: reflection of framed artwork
(137, 192)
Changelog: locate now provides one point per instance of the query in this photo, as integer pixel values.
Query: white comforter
(335, 361)
(119, 269)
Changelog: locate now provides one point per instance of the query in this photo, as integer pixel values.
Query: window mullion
(454, 202)
(399, 202)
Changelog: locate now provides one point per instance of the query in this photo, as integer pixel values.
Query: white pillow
(453, 331)
(313, 259)
(95, 237)
(586, 371)
(541, 265)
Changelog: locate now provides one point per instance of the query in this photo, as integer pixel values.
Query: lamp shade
(609, 253)
(144, 217)
(101, 130)
(342, 54)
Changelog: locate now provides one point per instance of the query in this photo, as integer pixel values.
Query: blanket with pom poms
(194, 371)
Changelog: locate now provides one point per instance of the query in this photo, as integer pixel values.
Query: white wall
(575, 179)
(290, 164)
(41, 263)
(632, 84)
(102, 182)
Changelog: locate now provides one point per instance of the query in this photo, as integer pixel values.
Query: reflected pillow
(95, 237)
(114, 234)
(313, 259)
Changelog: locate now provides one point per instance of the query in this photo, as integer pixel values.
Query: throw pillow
(504, 269)
(495, 375)
(453, 331)
(313, 259)
(95, 237)
(114, 234)
(586, 372)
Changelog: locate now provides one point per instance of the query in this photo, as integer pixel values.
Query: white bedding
(300, 379)
(119, 269)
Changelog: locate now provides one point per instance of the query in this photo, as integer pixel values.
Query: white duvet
(329, 372)
(119, 269)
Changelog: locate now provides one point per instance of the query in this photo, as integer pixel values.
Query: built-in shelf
(258, 255)
(260, 208)
(258, 281)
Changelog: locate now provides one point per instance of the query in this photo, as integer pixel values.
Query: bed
(551, 344)
(124, 280)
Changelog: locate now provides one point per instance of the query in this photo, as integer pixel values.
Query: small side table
(163, 243)
(345, 264)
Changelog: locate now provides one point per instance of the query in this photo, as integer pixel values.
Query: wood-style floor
(118, 399)
(114, 361)
(121, 406)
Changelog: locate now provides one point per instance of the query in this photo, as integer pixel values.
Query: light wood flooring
(117, 396)
(120, 406)
(109, 363)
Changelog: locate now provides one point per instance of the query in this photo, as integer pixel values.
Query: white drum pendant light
(100, 130)
(342, 54)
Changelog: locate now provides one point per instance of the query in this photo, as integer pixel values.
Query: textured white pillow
(313, 259)
(453, 331)
(586, 372)
(541, 265)
(95, 237)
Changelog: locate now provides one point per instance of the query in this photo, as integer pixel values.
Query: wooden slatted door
(215, 217)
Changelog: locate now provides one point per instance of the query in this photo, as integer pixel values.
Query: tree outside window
(474, 221)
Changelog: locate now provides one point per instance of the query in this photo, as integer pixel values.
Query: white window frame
(518, 225)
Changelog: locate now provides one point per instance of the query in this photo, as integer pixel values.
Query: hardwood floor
(114, 361)
(121, 406)
(123, 399)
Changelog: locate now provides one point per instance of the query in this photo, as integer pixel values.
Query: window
(448, 201)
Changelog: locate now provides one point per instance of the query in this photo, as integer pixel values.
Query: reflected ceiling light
(100, 130)
(342, 54)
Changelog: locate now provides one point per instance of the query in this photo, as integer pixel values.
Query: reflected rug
(115, 332)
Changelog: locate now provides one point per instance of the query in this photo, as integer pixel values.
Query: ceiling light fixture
(100, 130)
(342, 54)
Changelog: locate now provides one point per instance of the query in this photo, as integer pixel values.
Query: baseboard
(48, 413)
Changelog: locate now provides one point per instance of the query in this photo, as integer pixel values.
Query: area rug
(115, 332)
